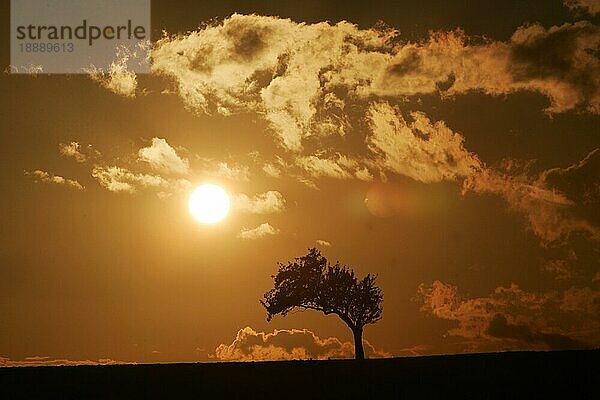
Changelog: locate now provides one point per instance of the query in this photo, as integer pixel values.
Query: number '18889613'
(47, 47)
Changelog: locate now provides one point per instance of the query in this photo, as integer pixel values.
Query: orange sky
(462, 166)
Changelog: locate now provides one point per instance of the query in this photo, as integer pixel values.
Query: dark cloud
(445, 85)
(522, 319)
(567, 54)
(580, 182)
(198, 60)
(559, 203)
(592, 7)
(549, 53)
(248, 41)
(499, 327)
(409, 64)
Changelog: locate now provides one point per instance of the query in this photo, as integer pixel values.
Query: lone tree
(310, 282)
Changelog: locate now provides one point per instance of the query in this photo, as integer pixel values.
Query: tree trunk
(359, 352)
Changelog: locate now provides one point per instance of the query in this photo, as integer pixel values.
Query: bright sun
(209, 203)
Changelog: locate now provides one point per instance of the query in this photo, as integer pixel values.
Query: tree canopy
(310, 282)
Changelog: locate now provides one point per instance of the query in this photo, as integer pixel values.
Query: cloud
(581, 182)
(38, 361)
(422, 150)
(412, 351)
(560, 269)
(307, 182)
(43, 176)
(288, 344)
(271, 170)
(583, 300)
(323, 243)
(72, 150)
(551, 215)
(256, 233)
(558, 62)
(117, 179)
(317, 167)
(119, 79)
(290, 73)
(339, 167)
(31, 69)
(162, 157)
(499, 327)
(281, 75)
(547, 212)
(164, 162)
(303, 78)
(270, 202)
(592, 7)
(474, 315)
(221, 65)
(78, 152)
(228, 170)
(431, 152)
(552, 319)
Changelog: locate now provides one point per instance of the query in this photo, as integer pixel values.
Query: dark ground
(515, 375)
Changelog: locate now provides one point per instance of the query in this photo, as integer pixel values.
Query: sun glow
(209, 203)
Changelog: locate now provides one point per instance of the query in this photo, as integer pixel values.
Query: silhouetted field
(567, 374)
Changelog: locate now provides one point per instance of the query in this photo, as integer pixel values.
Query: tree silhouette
(310, 282)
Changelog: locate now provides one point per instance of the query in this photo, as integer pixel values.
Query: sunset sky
(451, 148)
